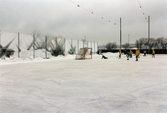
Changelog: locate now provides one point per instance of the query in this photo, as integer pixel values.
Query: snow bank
(110, 54)
(27, 56)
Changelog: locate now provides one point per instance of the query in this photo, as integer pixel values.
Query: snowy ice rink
(66, 85)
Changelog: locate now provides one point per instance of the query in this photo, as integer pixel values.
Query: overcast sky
(63, 17)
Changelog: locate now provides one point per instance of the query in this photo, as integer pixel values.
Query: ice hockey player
(131, 53)
(153, 53)
(137, 54)
(127, 54)
(120, 53)
(144, 53)
(104, 57)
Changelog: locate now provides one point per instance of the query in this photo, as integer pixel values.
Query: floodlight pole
(148, 33)
(120, 35)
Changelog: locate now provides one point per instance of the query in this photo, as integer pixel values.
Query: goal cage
(84, 53)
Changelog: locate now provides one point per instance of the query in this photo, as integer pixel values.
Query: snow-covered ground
(65, 85)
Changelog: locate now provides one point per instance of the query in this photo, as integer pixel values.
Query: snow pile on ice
(26, 56)
(110, 54)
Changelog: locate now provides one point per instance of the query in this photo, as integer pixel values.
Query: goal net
(84, 53)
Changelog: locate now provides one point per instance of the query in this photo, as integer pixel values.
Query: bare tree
(152, 43)
(72, 49)
(5, 51)
(39, 42)
(142, 43)
(160, 43)
(126, 46)
(111, 45)
(56, 45)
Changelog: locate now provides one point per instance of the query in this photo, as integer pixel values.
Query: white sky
(63, 17)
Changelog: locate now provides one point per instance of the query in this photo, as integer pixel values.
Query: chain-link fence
(36, 45)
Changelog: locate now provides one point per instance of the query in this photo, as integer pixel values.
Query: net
(84, 53)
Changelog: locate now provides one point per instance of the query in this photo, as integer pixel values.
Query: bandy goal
(84, 53)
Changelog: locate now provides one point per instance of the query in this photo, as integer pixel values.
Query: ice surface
(65, 85)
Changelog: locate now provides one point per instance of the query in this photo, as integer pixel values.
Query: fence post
(56, 42)
(97, 47)
(94, 48)
(91, 46)
(64, 46)
(33, 45)
(165, 49)
(46, 47)
(71, 42)
(0, 37)
(18, 45)
(78, 46)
